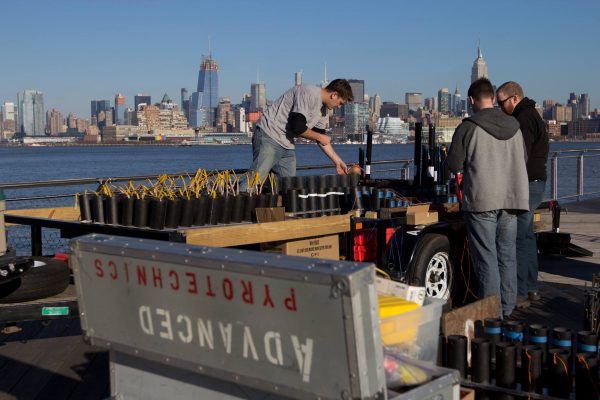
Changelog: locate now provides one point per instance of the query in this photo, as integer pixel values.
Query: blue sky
(76, 51)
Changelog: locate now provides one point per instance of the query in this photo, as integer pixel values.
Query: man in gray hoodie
(488, 148)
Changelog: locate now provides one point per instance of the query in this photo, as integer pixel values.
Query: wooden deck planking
(563, 280)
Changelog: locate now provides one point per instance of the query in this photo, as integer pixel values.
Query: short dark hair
(342, 88)
(481, 88)
(511, 88)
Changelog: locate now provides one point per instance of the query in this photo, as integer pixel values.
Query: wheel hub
(437, 276)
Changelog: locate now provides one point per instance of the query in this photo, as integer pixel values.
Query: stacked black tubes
(318, 195)
(529, 359)
(168, 213)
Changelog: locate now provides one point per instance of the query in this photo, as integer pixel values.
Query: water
(26, 164)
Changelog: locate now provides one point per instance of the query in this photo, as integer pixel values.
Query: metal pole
(369, 152)
(418, 154)
(2, 227)
(579, 176)
(554, 177)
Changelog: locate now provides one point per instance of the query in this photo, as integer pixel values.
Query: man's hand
(341, 168)
(324, 140)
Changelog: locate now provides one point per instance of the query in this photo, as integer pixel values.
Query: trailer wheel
(431, 266)
(46, 278)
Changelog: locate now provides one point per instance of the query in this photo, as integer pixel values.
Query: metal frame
(71, 229)
(579, 155)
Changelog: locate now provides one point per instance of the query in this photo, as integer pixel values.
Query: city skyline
(162, 46)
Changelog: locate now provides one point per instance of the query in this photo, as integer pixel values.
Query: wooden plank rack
(208, 235)
(243, 234)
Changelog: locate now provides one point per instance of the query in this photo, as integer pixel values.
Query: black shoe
(534, 296)
(510, 317)
(522, 302)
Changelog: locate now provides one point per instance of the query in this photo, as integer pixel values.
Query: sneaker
(522, 302)
(534, 296)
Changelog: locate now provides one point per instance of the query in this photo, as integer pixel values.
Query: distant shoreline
(178, 144)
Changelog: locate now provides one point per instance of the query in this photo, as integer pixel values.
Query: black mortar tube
(559, 376)
(369, 152)
(587, 342)
(456, 353)
(506, 363)
(538, 336)
(562, 338)
(480, 360)
(492, 330)
(418, 153)
(586, 376)
(531, 369)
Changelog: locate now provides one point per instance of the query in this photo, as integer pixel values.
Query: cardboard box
(419, 214)
(326, 247)
(388, 287)
(467, 393)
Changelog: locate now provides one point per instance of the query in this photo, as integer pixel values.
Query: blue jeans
(492, 236)
(268, 155)
(527, 257)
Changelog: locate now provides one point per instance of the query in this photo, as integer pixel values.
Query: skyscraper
(358, 89)
(8, 111)
(456, 105)
(414, 100)
(119, 109)
(31, 113)
(258, 97)
(141, 99)
(54, 122)
(204, 102)
(375, 105)
(444, 99)
(185, 102)
(584, 104)
(184, 95)
(298, 78)
(479, 69)
(356, 117)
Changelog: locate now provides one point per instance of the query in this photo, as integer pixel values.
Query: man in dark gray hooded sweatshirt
(488, 148)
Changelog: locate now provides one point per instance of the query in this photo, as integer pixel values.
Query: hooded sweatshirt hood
(496, 123)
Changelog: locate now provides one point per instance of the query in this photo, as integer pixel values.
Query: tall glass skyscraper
(31, 113)
(119, 109)
(204, 103)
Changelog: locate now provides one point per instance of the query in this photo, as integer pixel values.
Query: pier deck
(49, 360)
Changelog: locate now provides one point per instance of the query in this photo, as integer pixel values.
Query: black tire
(431, 266)
(38, 283)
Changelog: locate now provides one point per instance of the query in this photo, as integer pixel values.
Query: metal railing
(27, 236)
(579, 156)
(403, 173)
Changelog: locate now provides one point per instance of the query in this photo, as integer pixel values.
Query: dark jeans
(527, 257)
(492, 236)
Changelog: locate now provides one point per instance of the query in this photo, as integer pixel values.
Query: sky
(75, 51)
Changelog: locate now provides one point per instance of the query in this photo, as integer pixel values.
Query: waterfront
(27, 164)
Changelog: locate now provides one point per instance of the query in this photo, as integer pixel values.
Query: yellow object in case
(391, 333)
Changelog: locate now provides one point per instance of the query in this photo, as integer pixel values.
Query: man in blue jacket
(488, 148)
(512, 101)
